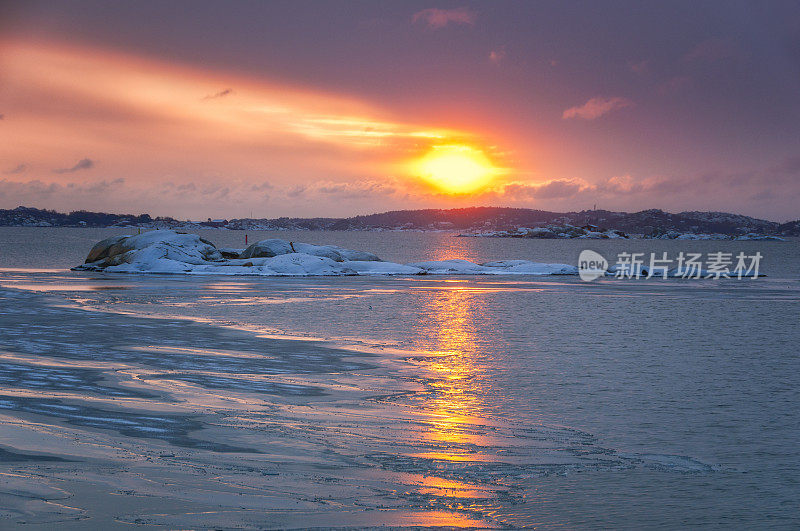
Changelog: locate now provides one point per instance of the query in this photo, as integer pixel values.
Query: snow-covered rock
(160, 249)
(277, 247)
(759, 237)
(166, 251)
(267, 249)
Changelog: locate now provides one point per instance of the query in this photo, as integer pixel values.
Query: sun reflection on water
(457, 376)
(457, 439)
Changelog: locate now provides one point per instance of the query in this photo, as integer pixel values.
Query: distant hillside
(647, 222)
(496, 218)
(34, 217)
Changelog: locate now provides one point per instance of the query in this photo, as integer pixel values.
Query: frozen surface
(486, 401)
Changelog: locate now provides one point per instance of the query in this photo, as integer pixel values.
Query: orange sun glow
(456, 169)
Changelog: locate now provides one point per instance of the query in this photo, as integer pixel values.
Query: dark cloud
(215, 191)
(95, 188)
(35, 191)
(220, 94)
(297, 191)
(263, 187)
(19, 169)
(343, 190)
(83, 164)
(2, 116)
(356, 189)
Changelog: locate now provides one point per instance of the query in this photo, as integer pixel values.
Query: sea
(224, 402)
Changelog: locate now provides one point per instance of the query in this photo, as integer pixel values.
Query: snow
(166, 251)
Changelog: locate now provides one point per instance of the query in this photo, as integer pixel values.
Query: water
(475, 401)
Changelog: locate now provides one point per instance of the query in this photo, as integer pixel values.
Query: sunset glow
(456, 169)
(98, 112)
(399, 264)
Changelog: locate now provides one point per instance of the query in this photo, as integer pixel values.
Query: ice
(525, 267)
(454, 266)
(383, 268)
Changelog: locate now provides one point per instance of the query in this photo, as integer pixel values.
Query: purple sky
(198, 109)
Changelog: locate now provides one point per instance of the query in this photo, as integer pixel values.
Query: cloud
(95, 188)
(215, 191)
(220, 94)
(344, 189)
(2, 116)
(555, 189)
(355, 189)
(436, 18)
(622, 185)
(596, 107)
(263, 187)
(19, 169)
(83, 164)
(571, 191)
(301, 134)
(36, 191)
(497, 56)
(297, 191)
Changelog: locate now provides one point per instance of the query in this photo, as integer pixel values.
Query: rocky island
(167, 251)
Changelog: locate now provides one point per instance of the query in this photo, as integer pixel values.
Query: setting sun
(456, 169)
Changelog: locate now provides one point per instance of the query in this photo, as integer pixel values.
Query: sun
(456, 169)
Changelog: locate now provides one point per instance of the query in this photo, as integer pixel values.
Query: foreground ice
(166, 251)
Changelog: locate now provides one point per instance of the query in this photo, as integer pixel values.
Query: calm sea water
(506, 401)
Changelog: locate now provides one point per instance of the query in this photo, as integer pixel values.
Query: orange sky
(198, 110)
(154, 125)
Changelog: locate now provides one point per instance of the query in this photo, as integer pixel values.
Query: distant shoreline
(649, 223)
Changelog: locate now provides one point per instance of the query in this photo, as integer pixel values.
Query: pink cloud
(436, 18)
(640, 67)
(596, 107)
(497, 56)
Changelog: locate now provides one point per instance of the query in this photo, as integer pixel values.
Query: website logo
(591, 265)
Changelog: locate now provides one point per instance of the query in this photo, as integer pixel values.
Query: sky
(197, 109)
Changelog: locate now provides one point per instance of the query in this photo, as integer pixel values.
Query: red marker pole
(245, 238)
